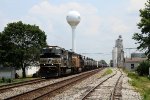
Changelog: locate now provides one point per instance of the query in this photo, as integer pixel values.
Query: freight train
(56, 61)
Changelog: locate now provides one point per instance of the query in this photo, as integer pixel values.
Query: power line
(98, 53)
(92, 53)
(130, 48)
(130, 51)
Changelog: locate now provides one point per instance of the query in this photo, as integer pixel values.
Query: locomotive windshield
(49, 56)
(50, 53)
(48, 50)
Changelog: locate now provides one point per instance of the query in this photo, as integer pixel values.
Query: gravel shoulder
(128, 92)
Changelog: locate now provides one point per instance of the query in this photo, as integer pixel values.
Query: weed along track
(42, 92)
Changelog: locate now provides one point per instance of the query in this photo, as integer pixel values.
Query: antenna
(73, 19)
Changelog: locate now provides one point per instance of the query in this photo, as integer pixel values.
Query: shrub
(148, 77)
(3, 79)
(132, 74)
(143, 68)
(9, 80)
(35, 75)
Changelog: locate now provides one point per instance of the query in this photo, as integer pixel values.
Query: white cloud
(52, 19)
(3, 21)
(136, 5)
(118, 25)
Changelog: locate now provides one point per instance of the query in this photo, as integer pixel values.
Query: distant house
(132, 63)
(7, 72)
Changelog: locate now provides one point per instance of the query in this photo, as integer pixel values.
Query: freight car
(56, 61)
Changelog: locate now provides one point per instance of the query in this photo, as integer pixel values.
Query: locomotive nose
(49, 61)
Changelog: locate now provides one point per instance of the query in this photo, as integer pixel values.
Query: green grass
(104, 72)
(141, 83)
(7, 81)
(108, 71)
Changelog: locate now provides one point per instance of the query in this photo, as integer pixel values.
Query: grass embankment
(141, 83)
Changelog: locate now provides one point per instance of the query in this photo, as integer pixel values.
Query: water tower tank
(73, 18)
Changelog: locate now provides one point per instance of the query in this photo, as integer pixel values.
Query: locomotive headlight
(44, 64)
(52, 64)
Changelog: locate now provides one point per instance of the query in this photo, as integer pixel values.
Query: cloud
(3, 21)
(118, 25)
(52, 19)
(136, 5)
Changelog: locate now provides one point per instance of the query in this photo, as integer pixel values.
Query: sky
(102, 21)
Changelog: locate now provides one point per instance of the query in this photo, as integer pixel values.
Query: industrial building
(133, 62)
(118, 53)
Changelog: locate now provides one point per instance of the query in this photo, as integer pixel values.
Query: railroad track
(43, 92)
(105, 91)
(5, 88)
(116, 94)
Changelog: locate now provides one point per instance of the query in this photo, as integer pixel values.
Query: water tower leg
(73, 39)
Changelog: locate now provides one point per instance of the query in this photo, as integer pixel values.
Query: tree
(143, 38)
(0, 49)
(103, 63)
(143, 68)
(21, 44)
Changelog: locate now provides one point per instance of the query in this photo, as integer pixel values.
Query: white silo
(73, 19)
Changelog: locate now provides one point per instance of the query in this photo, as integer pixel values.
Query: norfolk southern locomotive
(56, 61)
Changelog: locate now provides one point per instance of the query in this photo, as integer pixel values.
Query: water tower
(73, 19)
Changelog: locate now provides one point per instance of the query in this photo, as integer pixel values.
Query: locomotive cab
(50, 61)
